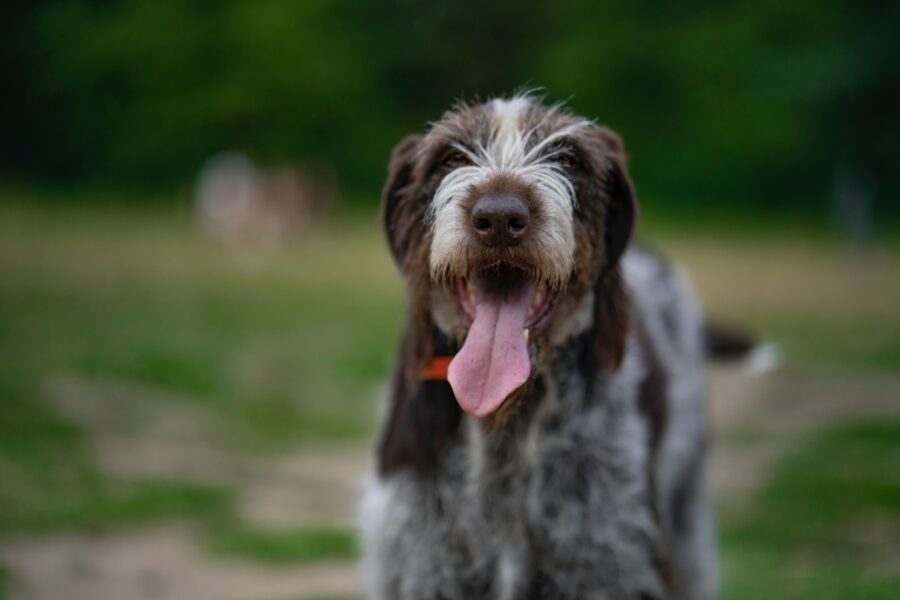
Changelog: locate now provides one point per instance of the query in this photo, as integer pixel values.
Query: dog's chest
(559, 507)
(555, 510)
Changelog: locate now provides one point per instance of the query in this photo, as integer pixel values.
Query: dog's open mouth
(504, 308)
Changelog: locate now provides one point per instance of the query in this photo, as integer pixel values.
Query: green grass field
(826, 523)
(281, 353)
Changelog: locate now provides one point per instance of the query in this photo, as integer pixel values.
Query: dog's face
(508, 219)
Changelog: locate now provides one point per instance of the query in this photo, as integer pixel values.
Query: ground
(183, 421)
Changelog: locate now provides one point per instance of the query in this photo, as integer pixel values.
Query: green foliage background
(746, 106)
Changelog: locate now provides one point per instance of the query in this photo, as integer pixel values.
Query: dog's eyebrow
(459, 144)
(462, 147)
(563, 135)
(559, 146)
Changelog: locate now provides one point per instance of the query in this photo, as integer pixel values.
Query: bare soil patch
(134, 431)
(160, 563)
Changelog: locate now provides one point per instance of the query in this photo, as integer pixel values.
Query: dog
(545, 434)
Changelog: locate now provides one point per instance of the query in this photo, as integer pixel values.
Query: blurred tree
(741, 105)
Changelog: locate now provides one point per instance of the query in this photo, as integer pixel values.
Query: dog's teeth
(526, 332)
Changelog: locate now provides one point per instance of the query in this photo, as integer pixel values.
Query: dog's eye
(455, 160)
(565, 160)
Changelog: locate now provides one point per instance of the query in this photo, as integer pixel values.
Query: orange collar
(436, 369)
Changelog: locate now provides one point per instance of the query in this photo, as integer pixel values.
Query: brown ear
(402, 217)
(622, 207)
(400, 170)
(612, 320)
(424, 415)
(611, 303)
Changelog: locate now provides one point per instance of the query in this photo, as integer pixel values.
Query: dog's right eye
(455, 160)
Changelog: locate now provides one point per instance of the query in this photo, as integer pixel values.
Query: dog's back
(671, 321)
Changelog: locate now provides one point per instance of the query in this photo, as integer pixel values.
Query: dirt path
(161, 563)
(135, 432)
(758, 418)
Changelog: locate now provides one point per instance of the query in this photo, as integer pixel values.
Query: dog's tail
(728, 343)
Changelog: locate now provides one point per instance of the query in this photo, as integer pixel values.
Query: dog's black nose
(500, 220)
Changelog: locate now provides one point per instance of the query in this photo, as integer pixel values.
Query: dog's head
(508, 220)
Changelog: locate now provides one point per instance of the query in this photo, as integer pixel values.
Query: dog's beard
(502, 288)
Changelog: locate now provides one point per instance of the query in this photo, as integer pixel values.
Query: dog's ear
(396, 187)
(424, 415)
(612, 320)
(622, 207)
(402, 216)
(611, 314)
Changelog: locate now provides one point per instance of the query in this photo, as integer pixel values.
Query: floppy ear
(611, 303)
(395, 189)
(401, 216)
(423, 415)
(622, 208)
(612, 320)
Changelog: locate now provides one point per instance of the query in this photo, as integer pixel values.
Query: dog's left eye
(455, 160)
(565, 160)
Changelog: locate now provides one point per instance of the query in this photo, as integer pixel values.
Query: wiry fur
(508, 151)
(590, 480)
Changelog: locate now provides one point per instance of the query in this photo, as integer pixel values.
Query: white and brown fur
(590, 482)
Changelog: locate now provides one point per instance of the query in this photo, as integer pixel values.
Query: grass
(281, 350)
(283, 546)
(278, 351)
(284, 349)
(827, 524)
(825, 304)
(50, 485)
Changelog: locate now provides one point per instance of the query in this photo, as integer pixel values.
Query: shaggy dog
(562, 453)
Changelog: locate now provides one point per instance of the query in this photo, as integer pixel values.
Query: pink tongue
(493, 361)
